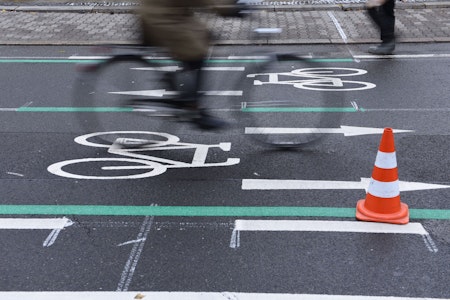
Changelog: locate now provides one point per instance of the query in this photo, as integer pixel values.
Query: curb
(275, 8)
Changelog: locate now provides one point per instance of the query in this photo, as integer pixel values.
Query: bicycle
(135, 79)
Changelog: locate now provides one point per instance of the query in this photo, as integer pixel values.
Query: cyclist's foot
(204, 120)
(383, 49)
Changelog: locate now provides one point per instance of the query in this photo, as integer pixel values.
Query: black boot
(384, 48)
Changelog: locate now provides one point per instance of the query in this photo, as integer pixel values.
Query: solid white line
(368, 56)
(223, 68)
(328, 226)
(222, 93)
(88, 57)
(161, 93)
(187, 296)
(133, 259)
(27, 223)
(231, 57)
(176, 68)
(442, 109)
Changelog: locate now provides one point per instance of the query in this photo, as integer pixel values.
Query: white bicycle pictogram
(317, 79)
(141, 165)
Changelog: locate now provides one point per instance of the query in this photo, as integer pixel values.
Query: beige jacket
(172, 24)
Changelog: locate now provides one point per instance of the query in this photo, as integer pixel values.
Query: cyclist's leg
(190, 81)
(187, 40)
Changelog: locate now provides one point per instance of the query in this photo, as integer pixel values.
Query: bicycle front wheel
(121, 93)
(291, 101)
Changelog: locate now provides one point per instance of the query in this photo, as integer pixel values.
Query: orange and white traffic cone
(382, 203)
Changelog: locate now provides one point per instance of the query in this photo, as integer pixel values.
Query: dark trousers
(384, 17)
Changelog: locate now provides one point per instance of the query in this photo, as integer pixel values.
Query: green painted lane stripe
(74, 109)
(298, 109)
(204, 211)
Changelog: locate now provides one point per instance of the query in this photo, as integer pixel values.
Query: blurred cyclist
(171, 24)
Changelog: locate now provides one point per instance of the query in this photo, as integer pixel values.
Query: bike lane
(180, 255)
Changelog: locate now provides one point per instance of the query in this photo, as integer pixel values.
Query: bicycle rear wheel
(123, 92)
(291, 101)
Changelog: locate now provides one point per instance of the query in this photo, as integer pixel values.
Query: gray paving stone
(425, 22)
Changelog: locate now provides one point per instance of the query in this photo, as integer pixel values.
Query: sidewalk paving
(302, 24)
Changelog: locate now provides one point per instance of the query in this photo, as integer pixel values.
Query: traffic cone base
(399, 217)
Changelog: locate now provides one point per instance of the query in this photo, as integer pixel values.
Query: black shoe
(383, 48)
(206, 121)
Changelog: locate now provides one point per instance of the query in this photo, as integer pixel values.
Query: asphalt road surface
(220, 232)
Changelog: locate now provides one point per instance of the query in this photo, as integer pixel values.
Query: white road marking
(131, 242)
(276, 184)
(233, 57)
(430, 243)
(56, 224)
(163, 92)
(342, 34)
(346, 130)
(133, 259)
(39, 223)
(338, 27)
(50, 240)
(15, 174)
(328, 226)
(177, 68)
(223, 68)
(188, 296)
(414, 56)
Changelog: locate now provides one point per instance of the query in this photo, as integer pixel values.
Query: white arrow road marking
(163, 68)
(188, 296)
(163, 92)
(346, 130)
(323, 226)
(277, 184)
(147, 93)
